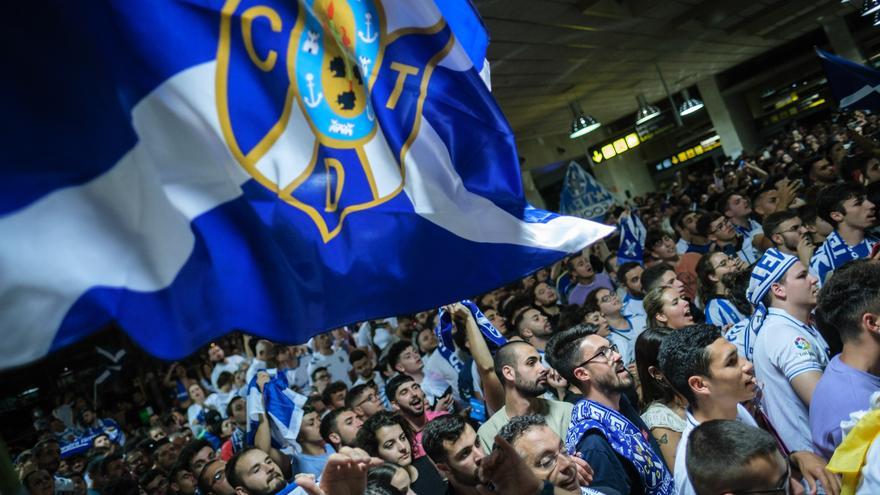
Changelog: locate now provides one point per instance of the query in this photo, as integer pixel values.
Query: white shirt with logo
(784, 349)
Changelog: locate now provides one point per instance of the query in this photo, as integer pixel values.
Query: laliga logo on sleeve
(802, 344)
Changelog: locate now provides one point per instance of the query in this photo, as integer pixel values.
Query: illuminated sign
(617, 146)
(689, 153)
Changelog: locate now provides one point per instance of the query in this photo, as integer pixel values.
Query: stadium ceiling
(545, 54)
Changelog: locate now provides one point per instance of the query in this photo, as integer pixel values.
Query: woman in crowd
(388, 436)
(666, 308)
(663, 409)
(390, 478)
(620, 328)
(711, 268)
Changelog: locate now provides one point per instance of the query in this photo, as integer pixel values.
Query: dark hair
(379, 479)
(808, 214)
(591, 302)
(357, 355)
(607, 263)
(206, 483)
(191, 449)
(515, 427)
(396, 350)
(677, 220)
(123, 486)
(719, 450)
(225, 378)
(231, 474)
(150, 476)
(811, 160)
(107, 460)
(774, 220)
(521, 316)
(652, 275)
(328, 423)
(571, 315)
(653, 238)
(229, 405)
(563, 349)
(395, 383)
(506, 356)
(704, 223)
(331, 389)
(177, 469)
(736, 284)
(683, 354)
(366, 436)
(852, 291)
(706, 288)
(647, 347)
(317, 370)
(623, 270)
(355, 394)
(721, 203)
(446, 428)
(831, 199)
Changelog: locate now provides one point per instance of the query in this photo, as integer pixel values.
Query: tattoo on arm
(663, 440)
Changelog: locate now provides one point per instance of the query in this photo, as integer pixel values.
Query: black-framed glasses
(728, 261)
(371, 397)
(794, 229)
(724, 221)
(782, 487)
(606, 352)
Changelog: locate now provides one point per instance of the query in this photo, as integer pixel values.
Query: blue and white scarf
(632, 239)
(445, 343)
(835, 252)
(770, 269)
(625, 438)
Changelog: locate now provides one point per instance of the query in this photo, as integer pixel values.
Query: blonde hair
(653, 303)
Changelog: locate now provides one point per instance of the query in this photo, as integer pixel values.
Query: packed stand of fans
(726, 340)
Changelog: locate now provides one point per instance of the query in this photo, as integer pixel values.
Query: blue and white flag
(283, 409)
(855, 86)
(583, 196)
(633, 234)
(283, 167)
(445, 342)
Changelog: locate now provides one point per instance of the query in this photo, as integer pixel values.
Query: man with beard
(519, 368)
(339, 428)
(605, 429)
(533, 326)
(789, 235)
(629, 276)
(253, 472)
(408, 399)
(456, 451)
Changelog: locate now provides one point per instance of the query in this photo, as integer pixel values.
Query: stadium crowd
(738, 355)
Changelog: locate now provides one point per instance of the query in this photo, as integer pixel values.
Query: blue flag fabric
(283, 167)
(283, 409)
(632, 238)
(583, 196)
(855, 86)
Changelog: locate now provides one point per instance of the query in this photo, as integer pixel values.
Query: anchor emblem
(368, 37)
(312, 101)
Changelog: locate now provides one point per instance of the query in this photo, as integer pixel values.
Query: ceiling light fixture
(646, 112)
(870, 6)
(690, 105)
(582, 124)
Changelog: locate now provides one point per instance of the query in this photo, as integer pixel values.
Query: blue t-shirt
(841, 390)
(311, 464)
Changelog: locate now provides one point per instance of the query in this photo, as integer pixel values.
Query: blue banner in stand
(583, 196)
(855, 86)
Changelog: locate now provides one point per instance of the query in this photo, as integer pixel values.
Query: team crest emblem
(293, 96)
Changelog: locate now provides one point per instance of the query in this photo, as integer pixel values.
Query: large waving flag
(187, 167)
(855, 86)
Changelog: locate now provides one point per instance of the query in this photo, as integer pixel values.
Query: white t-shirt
(625, 340)
(231, 364)
(336, 363)
(682, 480)
(439, 375)
(785, 348)
(219, 400)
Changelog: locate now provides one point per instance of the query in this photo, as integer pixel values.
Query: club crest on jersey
(293, 87)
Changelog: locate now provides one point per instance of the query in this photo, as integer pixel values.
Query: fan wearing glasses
(606, 430)
(728, 457)
(725, 238)
(789, 235)
(711, 268)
